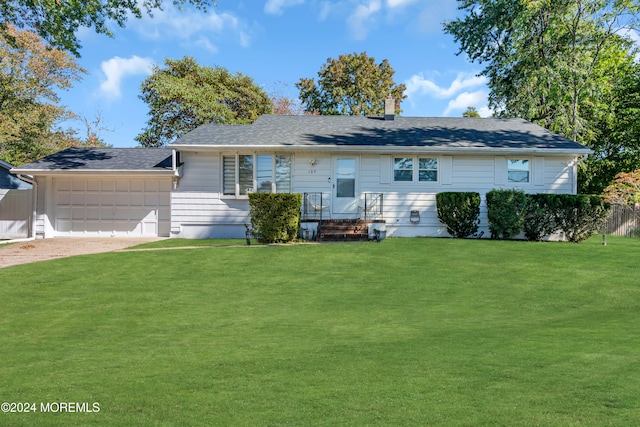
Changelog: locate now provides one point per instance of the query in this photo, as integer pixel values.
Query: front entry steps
(343, 230)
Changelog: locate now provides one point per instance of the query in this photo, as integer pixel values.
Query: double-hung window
(518, 171)
(404, 169)
(262, 173)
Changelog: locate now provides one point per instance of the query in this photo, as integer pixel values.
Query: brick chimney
(389, 108)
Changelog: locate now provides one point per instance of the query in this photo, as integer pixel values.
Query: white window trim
(237, 194)
(529, 182)
(416, 170)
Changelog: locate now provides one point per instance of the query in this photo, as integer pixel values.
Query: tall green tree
(471, 112)
(351, 85)
(31, 74)
(548, 61)
(557, 63)
(184, 95)
(58, 21)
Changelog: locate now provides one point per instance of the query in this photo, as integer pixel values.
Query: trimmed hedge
(460, 212)
(506, 210)
(581, 216)
(275, 218)
(540, 216)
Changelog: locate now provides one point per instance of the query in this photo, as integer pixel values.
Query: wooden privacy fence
(624, 221)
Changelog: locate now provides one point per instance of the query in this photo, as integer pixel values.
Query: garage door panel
(64, 184)
(107, 199)
(78, 213)
(63, 212)
(78, 198)
(94, 185)
(93, 199)
(120, 214)
(107, 185)
(150, 186)
(103, 207)
(122, 186)
(93, 213)
(137, 186)
(122, 199)
(136, 199)
(151, 199)
(64, 198)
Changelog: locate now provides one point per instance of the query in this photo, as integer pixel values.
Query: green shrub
(540, 219)
(506, 209)
(274, 217)
(460, 212)
(581, 216)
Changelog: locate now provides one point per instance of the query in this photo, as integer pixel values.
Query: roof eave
(41, 172)
(377, 149)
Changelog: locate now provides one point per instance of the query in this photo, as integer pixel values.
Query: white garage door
(112, 207)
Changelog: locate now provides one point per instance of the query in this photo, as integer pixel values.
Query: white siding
(16, 210)
(197, 208)
(199, 211)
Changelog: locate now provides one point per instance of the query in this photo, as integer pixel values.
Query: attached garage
(98, 192)
(112, 207)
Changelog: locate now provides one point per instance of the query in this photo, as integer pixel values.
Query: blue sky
(277, 42)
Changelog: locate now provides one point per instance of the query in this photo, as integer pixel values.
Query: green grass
(404, 332)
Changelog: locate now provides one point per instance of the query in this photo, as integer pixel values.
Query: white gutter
(34, 204)
(376, 149)
(76, 172)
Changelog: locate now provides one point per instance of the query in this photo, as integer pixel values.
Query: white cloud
(205, 44)
(468, 99)
(418, 85)
(399, 3)
(192, 26)
(362, 18)
(116, 69)
(276, 7)
(466, 90)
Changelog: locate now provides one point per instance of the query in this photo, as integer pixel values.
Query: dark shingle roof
(103, 159)
(10, 181)
(354, 131)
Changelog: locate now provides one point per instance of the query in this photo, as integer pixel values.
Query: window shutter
(500, 171)
(385, 169)
(538, 171)
(446, 170)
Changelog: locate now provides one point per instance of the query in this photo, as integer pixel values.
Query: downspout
(174, 167)
(34, 183)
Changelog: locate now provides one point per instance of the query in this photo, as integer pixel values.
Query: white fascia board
(376, 149)
(90, 172)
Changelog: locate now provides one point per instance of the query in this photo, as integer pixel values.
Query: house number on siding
(312, 171)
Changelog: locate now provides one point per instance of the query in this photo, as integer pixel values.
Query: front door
(345, 185)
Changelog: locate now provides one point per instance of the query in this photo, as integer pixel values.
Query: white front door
(345, 185)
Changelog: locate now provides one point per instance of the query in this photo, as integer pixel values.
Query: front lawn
(404, 332)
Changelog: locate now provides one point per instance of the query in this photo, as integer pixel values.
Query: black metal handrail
(373, 206)
(314, 205)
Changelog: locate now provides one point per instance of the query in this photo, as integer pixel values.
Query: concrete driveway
(60, 247)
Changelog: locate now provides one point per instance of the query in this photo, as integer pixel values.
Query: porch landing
(344, 230)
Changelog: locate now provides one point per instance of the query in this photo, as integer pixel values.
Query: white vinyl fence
(15, 213)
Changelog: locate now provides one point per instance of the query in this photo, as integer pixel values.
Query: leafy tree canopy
(625, 190)
(559, 64)
(351, 85)
(58, 21)
(30, 74)
(471, 112)
(184, 95)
